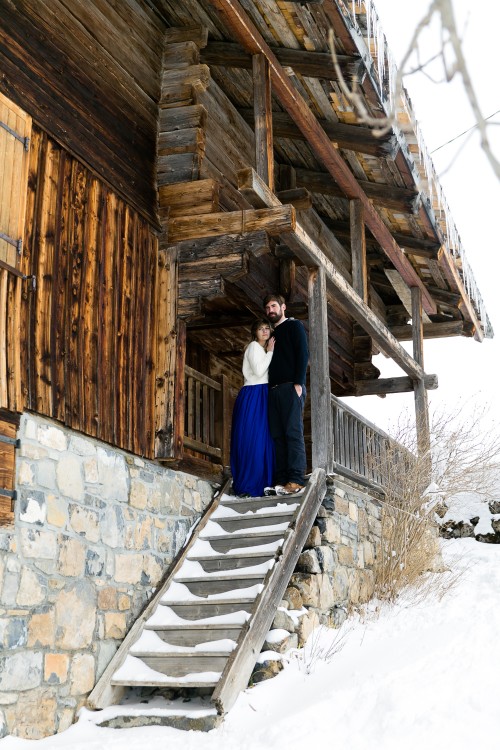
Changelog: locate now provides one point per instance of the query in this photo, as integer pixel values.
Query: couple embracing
(267, 437)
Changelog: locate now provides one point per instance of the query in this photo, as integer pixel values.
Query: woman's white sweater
(256, 363)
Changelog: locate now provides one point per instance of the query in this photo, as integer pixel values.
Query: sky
(420, 675)
(467, 370)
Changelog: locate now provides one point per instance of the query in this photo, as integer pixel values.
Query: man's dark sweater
(290, 358)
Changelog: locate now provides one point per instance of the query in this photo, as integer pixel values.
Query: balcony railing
(206, 418)
(362, 451)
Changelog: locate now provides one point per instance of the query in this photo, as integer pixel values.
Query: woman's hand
(270, 344)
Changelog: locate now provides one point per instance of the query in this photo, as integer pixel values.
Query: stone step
(185, 663)
(226, 543)
(253, 521)
(211, 564)
(244, 504)
(193, 633)
(219, 584)
(203, 608)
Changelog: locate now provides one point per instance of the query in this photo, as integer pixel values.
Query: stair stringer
(238, 669)
(105, 694)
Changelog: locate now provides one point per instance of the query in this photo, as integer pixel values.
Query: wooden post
(321, 408)
(358, 249)
(421, 405)
(264, 156)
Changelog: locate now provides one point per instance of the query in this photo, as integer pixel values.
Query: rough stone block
(293, 598)
(16, 633)
(41, 629)
(283, 621)
(52, 437)
(41, 707)
(56, 511)
(115, 624)
(106, 651)
(113, 476)
(31, 589)
(32, 507)
(326, 558)
(353, 511)
(330, 530)
(307, 623)
(75, 612)
(113, 527)
(308, 585)
(369, 553)
(280, 641)
(90, 470)
(85, 522)
(128, 568)
(25, 473)
(326, 595)
(81, 446)
(69, 477)
(308, 562)
(82, 674)
(21, 671)
(123, 602)
(362, 522)
(341, 505)
(46, 474)
(94, 563)
(345, 555)
(71, 560)
(138, 494)
(313, 538)
(340, 584)
(265, 670)
(56, 668)
(29, 427)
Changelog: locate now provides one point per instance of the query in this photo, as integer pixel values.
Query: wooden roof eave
(248, 35)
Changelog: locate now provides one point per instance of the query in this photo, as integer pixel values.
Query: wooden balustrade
(206, 419)
(361, 450)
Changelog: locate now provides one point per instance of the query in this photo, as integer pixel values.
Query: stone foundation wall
(95, 528)
(335, 570)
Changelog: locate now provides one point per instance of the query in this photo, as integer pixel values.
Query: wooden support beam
(389, 196)
(403, 292)
(310, 64)
(411, 245)
(256, 191)
(278, 220)
(358, 250)
(421, 403)
(247, 34)
(384, 386)
(263, 119)
(353, 137)
(299, 198)
(431, 330)
(321, 410)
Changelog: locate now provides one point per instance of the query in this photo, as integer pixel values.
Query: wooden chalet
(164, 164)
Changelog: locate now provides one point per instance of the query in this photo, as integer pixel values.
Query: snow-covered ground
(417, 676)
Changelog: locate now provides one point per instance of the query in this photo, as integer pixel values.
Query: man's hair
(273, 298)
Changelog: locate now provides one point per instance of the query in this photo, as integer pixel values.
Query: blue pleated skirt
(252, 447)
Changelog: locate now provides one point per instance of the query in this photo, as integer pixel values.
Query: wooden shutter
(15, 131)
(8, 429)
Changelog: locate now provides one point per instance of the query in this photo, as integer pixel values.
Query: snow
(212, 529)
(418, 675)
(467, 505)
(135, 672)
(192, 569)
(226, 512)
(166, 616)
(150, 642)
(179, 592)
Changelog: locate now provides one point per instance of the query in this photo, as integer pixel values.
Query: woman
(252, 448)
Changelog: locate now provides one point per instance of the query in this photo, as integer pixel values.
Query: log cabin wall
(89, 326)
(88, 72)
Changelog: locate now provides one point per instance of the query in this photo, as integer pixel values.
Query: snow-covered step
(239, 522)
(245, 504)
(195, 633)
(198, 714)
(205, 586)
(231, 542)
(134, 672)
(184, 663)
(203, 608)
(230, 561)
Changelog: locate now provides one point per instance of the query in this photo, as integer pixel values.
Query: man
(287, 394)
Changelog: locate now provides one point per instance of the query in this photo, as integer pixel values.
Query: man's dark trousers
(286, 424)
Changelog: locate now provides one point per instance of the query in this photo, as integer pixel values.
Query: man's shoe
(292, 488)
(280, 490)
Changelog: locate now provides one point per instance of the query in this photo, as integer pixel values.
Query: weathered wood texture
(8, 428)
(88, 73)
(89, 331)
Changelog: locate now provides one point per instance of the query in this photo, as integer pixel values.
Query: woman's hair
(257, 324)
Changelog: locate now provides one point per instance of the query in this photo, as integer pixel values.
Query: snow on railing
(364, 18)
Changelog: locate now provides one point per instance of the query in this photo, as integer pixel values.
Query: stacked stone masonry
(94, 531)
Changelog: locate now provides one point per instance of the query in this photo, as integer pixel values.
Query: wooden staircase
(202, 632)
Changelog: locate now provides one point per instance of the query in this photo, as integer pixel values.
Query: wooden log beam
(310, 64)
(358, 249)
(411, 245)
(312, 255)
(389, 196)
(353, 137)
(321, 411)
(384, 386)
(263, 119)
(247, 34)
(431, 330)
(278, 220)
(421, 402)
(299, 198)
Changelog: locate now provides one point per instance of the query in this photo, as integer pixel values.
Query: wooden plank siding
(8, 431)
(66, 62)
(90, 324)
